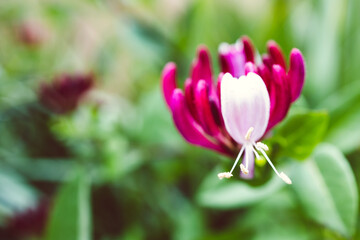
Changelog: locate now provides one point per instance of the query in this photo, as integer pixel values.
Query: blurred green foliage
(116, 168)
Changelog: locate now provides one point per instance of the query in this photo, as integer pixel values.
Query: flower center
(250, 147)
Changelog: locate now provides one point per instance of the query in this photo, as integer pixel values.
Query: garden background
(115, 167)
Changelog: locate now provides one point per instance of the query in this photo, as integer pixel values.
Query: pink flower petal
(267, 61)
(201, 68)
(250, 67)
(218, 85)
(189, 88)
(245, 103)
(296, 74)
(264, 73)
(204, 110)
(232, 58)
(248, 49)
(225, 63)
(168, 81)
(216, 111)
(280, 96)
(276, 54)
(187, 126)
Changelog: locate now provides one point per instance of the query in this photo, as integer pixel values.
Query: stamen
(248, 134)
(262, 146)
(229, 174)
(256, 153)
(224, 175)
(244, 169)
(237, 158)
(281, 175)
(248, 151)
(285, 178)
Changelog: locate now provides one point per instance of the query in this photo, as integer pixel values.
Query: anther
(224, 175)
(244, 169)
(262, 146)
(285, 178)
(282, 175)
(248, 134)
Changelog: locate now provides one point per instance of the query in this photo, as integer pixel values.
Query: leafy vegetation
(116, 168)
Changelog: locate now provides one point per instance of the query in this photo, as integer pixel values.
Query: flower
(247, 94)
(284, 88)
(202, 118)
(63, 94)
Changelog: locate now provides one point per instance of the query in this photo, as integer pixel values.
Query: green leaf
(326, 187)
(350, 70)
(16, 195)
(300, 133)
(323, 52)
(70, 217)
(344, 120)
(278, 218)
(227, 194)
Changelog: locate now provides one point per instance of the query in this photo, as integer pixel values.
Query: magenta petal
(267, 61)
(216, 112)
(276, 54)
(248, 49)
(204, 109)
(187, 126)
(296, 74)
(250, 67)
(232, 58)
(202, 66)
(189, 87)
(218, 85)
(264, 73)
(280, 96)
(168, 81)
(225, 65)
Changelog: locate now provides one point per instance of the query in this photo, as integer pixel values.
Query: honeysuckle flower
(202, 118)
(245, 106)
(63, 94)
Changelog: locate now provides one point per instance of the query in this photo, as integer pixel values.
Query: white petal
(245, 103)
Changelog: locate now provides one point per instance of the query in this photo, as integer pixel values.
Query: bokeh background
(114, 166)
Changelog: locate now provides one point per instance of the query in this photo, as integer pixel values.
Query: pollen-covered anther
(262, 146)
(224, 175)
(285, 178)
(244, 169)
(248, 134)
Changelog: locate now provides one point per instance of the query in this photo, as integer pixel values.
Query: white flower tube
(245, 106)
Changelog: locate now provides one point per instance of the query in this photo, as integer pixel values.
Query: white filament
(252, 147)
